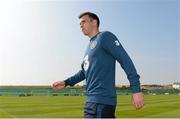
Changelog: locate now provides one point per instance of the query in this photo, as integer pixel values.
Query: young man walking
(98, 70)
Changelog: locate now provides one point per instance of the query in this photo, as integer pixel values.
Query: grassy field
(158, 106)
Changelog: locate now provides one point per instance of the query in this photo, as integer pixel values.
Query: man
(98, 68)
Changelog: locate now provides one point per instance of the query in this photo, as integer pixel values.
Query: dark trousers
(96, 110)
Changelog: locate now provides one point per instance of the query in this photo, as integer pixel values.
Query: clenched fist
(58, 85)
(138, 100)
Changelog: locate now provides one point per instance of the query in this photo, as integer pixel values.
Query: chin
(85, 33)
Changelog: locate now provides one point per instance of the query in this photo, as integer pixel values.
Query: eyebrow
(82, 21)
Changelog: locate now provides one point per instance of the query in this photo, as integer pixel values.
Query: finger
(53, 85)
(134, 104)
(55, 88)
(142, 104)
(56, 84)
(139, 105)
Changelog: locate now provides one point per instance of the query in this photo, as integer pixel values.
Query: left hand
(138, 100)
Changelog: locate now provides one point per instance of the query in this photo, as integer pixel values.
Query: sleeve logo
(117, 43)
(86, 63)
(93, 44)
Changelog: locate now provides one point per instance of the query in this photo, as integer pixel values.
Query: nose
(81, 26)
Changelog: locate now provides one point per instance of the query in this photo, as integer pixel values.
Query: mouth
(82, 30)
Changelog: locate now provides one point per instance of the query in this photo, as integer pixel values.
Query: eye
(82, 22)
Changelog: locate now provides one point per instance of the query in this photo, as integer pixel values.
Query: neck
(93, 33)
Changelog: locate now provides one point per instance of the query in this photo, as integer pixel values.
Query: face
(86, 25)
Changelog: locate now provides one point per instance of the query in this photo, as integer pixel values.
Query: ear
(94, 22)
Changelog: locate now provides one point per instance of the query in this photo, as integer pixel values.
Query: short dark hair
(91, 15)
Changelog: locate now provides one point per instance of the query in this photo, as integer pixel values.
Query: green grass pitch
(158, 106)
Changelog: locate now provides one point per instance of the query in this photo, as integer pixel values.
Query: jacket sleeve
(78, 77)
(111, 44)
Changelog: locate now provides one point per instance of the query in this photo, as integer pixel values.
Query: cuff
(66, 82)
(136, 89)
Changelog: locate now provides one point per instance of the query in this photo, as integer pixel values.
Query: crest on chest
(93, 44)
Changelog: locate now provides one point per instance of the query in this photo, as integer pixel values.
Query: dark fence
(23, 91)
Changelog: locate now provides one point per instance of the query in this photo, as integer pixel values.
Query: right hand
(58, 85)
